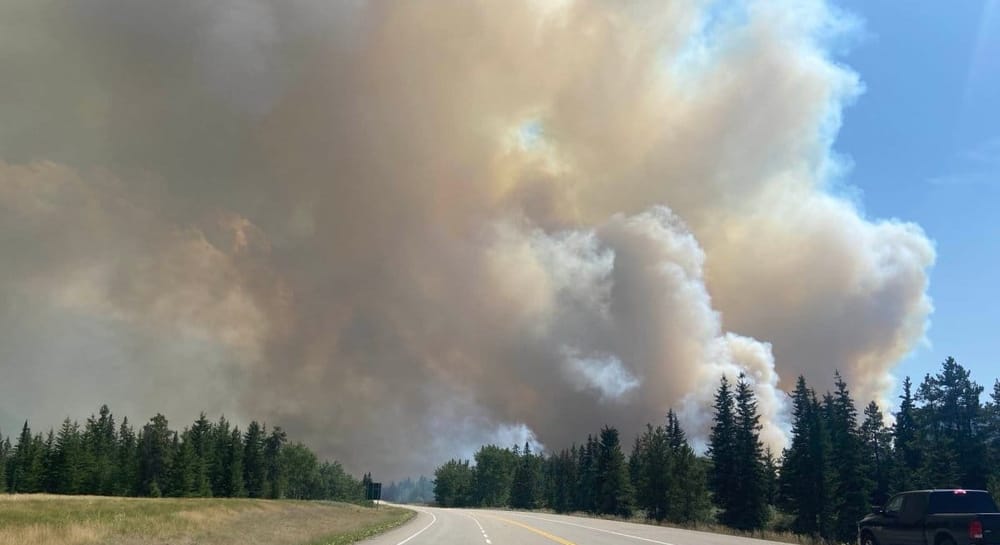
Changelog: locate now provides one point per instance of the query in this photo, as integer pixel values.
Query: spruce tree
(650, 467)
(254, 472)
(68, 459)
(203, 446)
(526, 485)
(877, 445)
(853, 485)
(748, 507)
(272, 463)
(907, 455)
(689, 500)
(722, 452)
(4, 451)
(155, 451)
(126, 470)
(614, 492)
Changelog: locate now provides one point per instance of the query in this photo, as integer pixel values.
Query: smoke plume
(401, 229)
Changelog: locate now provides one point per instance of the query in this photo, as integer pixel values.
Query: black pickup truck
(933, 517)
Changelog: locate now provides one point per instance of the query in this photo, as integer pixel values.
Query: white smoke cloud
(404, 229)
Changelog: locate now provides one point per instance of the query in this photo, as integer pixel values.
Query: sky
(381, 225)
(924, 141)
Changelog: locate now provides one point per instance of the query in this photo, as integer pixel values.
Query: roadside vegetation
(837, 464)
(41, 519)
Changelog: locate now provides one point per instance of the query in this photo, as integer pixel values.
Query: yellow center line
(542, 533)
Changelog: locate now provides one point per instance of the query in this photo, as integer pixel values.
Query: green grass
(85, 520)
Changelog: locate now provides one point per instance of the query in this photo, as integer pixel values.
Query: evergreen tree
(233, 480)
(689, 500)
(586, 486)
(877, 445)
(100, 443)
(722, 452)
(526, 487)
(853, 489)
(4, 452)
(951, 422)
(748, 508)
(155, 450)
(562, 480)
(203, 445)
(126, 471)
(26, 463)
(68, 459)
(272, 463)
(650, 467)
(906, 441)
(183, 467)
(254, 472)
(613, 489)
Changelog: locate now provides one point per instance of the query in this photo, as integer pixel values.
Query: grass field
(80, 520)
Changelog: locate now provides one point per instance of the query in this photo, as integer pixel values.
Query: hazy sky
(925, 142)
(395, 224)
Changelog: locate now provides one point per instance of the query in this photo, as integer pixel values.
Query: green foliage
(453, 484)
(526, 489)
(493, 476)
(612, 486)
(203, 460)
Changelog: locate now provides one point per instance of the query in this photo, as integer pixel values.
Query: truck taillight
(975, 530)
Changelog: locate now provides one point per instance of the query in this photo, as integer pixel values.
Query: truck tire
(867, 538)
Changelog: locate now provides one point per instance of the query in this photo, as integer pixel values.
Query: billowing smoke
(401, 229)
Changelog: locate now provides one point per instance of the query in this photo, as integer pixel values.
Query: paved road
(434, 526)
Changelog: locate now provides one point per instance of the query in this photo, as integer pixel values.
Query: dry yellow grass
(86, 520)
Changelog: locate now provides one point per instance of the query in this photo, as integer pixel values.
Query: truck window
(968, 502)
(895, 505)
(914, 506)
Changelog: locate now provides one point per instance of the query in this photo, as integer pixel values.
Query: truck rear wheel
(868, 539)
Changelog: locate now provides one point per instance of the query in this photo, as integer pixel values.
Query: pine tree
(748, 508)
(877, 445)
(155, 451)
(853, 486)
(204, 456)
(68, 459)
(951, 421)
(254, 473)
(99, 451)
(526, 486)
(4, 452)
(907, 454)
(722, 452)
(234, 483)
(126, 471)
(586, 490)
(689, 500)
(614, 492)
(272, 463)
(650, 467)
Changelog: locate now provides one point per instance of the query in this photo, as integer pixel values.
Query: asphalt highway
(435, 526)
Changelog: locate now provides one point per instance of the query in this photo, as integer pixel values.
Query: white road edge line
(420, 531)
(595, 529)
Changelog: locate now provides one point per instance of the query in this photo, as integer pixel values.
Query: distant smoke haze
(403, 229)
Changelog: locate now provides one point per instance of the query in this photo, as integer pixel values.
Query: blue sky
(924, 139)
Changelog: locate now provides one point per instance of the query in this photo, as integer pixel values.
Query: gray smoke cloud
(402, 229)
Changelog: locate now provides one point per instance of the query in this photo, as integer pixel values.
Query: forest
(838, 461)
(205, 459)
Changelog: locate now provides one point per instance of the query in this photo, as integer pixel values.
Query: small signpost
(373, 492)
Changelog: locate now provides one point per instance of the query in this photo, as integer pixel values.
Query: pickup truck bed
(933, 517)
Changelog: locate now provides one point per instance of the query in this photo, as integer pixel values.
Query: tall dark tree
(204, 456)
(951, 421)
(127, 467)
(272, 463)
(586, 485)
(722, 451)
(650, 468)
(853, 489)
(689, 500)
(155, 453)
(748, 507)
(907, 456)
(183, 470)
(614, 492)
(254, 472)
(26, 469)
(877, 447)
(100, 442)
(69, 459)
(526, 488)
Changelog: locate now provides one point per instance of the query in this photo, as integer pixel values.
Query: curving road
(435, 526)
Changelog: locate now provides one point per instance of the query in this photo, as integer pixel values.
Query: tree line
(206, 459)
(836, 465)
